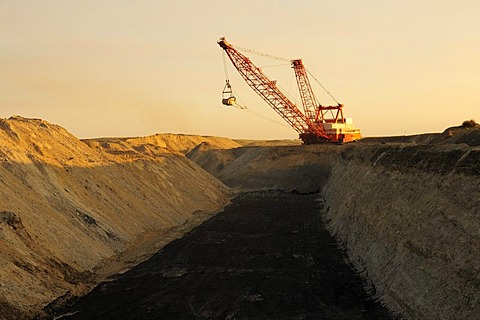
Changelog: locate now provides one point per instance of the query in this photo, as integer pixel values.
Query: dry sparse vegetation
(470, 124)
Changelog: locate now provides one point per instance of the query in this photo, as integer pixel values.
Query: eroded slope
(67, 209)
(410, 218)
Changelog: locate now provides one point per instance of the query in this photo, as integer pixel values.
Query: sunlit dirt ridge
(72, 213)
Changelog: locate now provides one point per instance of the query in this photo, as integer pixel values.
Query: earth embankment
(71, 214)
(410, 218)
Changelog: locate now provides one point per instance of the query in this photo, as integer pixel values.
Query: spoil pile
(71, 212)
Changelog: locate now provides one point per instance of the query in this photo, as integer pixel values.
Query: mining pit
(267, 255)
(89, 218)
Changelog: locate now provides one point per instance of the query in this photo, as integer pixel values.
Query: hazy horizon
(121, 68)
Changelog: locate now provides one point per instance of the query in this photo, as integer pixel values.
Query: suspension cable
(275, 65)
(286, 93)
(325, 89)
(266, 55)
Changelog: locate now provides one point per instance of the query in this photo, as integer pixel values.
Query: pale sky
(132, 68)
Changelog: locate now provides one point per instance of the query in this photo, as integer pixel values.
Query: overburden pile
(73, 212)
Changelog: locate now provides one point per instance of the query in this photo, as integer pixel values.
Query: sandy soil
(69, 208)
(159, 143)
(409, 216)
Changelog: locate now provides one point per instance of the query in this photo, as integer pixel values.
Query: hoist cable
(266, 118)
(244, 107)
(225, 65)
(268, 56)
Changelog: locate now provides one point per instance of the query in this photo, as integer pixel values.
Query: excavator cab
(228, 98)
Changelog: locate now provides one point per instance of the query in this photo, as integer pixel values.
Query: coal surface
(266, 256)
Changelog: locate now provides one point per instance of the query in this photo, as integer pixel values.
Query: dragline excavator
(316, 124)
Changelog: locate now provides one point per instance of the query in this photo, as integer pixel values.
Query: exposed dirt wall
(70, 212)
(409, 217)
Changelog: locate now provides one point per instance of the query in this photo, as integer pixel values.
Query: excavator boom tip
(223, 43)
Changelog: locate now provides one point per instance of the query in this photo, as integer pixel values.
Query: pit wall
(407, 214)
(73, 214)
(409, 218)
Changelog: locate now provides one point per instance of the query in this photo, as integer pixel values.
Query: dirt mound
(469, 136)
(71, 211)
(158, 144)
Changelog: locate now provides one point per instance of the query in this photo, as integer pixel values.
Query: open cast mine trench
(266, 256)
(135, 226)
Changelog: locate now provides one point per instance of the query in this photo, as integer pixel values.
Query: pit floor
(266, 256)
